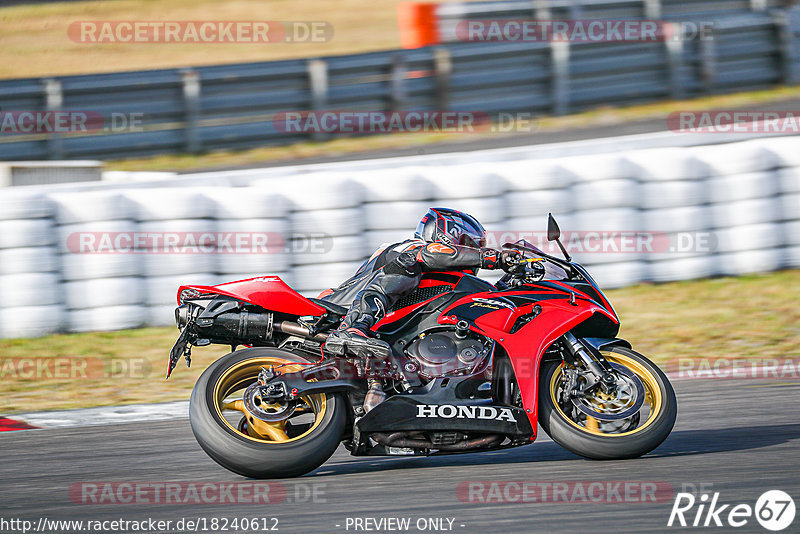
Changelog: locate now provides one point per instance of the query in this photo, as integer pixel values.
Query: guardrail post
(652, 9)
(786, 24)
(54, 101)
(317, 70)
(559, 86)
(397, 93)
(191, 109)
(673, 43)
(541, 10)
(708, 60)
(444, 68)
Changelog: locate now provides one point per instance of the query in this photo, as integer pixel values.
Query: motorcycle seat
(330, 307)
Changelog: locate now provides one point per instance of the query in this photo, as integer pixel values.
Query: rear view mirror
(553, 231)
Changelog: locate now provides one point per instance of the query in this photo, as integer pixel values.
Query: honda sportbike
(472, 367)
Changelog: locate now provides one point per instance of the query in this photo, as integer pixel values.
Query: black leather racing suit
(396, 269)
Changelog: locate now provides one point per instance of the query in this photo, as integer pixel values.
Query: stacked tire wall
(727, 209)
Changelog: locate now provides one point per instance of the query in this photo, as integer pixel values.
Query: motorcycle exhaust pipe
(398, 439)
(295, 329)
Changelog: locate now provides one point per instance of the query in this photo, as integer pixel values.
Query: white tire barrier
(681, 269)
(247, 203)
(87, 206)
(531, 203)
(609, 219)
(791, 232)
(408, 183)
(745, 212)
(31, 321)
(488, 211)
(18, 233)
(789, 180)
(162, 315)
(462, 181)
(790, 257)
(400, 215)
(307, 277)
(789, 207)
(664, 164)
(168, 264)
(321, 191)
(534, 175)
(678, 193)
(596, 168)
(24, 204)
(784, 150)
(672, 220)
(179, 227)
(373, 240)
(605, 194)
(30, 289)
(747, 262)
(334, 222)
(28, 260)
(752, 237)
(733, 158)
(167, 204)
(251, 263)
(331, 250)
(89, 266)
(737, 187)
(107, 318)
(102, 292)
(614, 275)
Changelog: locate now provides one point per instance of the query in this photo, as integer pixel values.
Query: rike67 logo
(774, 510)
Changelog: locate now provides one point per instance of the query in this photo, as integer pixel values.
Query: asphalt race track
(737, 437)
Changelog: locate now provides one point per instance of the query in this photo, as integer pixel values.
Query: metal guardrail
(233, 106)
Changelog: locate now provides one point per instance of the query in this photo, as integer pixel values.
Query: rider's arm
(443, 257)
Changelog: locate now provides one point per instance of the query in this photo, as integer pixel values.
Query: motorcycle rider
(445, 240)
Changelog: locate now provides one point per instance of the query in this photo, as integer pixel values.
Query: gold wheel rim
(651, 389)
(245, 373)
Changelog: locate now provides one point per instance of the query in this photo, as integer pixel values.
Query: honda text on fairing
(470, 367)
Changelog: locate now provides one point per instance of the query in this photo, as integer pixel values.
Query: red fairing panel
(526, 346)
(269, 292)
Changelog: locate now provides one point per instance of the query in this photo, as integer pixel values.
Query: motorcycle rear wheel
(254, 448)
(601, 440)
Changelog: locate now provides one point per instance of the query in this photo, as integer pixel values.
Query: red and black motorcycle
(472, 367)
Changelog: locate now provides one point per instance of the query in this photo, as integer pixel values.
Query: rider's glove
(495, 259)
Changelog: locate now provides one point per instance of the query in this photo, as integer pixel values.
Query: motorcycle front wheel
(610, 438)
(256, 438)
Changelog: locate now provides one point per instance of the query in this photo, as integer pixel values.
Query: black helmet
(452, 227)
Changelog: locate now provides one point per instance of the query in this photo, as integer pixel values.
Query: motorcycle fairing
(489, 314)
(268, 292)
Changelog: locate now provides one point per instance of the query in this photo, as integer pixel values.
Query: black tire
(259, 459)
(608, 447)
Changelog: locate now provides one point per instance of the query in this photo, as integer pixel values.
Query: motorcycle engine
(445, 353)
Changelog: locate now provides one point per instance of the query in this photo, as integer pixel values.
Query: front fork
(592, 361)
